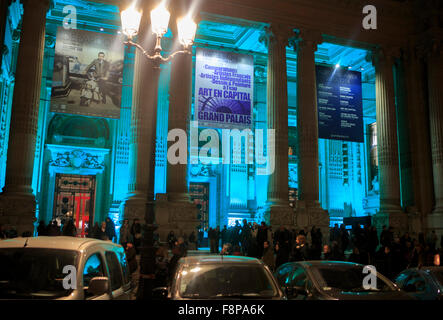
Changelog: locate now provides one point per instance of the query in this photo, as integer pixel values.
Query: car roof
(62, 243)
(214, 259)
(325, 263)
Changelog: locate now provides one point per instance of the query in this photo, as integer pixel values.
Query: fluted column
(387, 143)
(276, 39)
(435, 94)
(143, 126)
(418, 134)
(180, 99)
(307, 119)
(18, 201)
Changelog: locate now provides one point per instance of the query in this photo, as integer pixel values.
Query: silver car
(65, 268)
(222, 277)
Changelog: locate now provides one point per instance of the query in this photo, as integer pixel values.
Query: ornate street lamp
(131, 19)
(160, 16)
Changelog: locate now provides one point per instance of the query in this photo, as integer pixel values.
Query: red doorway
(74, 198)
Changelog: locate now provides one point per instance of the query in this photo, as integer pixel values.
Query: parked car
(65, 268)
(333, 280)
(221, 277)
(425, 283)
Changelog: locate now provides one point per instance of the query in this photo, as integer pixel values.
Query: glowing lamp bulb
(160, 20)
(131, 21)
(186, 31)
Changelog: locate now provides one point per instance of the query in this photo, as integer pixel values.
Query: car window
(401, 279)
(94, 267)
(114, 270)
(298, 278)
(282, 274)
(417, 281)
(224, 281)
(124, 266)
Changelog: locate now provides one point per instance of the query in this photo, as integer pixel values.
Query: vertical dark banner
(340, 105)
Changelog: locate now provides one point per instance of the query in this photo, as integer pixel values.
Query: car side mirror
(410, 288)
(160, 293)
(98, 286)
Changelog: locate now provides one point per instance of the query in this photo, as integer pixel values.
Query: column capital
(385, 54)
(306, 37)
(37, 4)
(277, 33)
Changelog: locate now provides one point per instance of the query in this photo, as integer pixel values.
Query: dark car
(334, 280)
(425, 283)
(222, 277)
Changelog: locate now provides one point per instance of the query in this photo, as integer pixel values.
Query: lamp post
(131, 19)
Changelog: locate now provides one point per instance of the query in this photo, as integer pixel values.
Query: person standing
(125, 233)
(171, 239)
(41, 229)
(101, 68)
(262, 236)
(131, 258)
(192, 241)
(268, 255)
(300, 252)
(69, 229)
(110, 229)
(136, 232)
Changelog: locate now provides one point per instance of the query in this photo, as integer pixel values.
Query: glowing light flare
(186, 31)
(160, 20)
(131, 19)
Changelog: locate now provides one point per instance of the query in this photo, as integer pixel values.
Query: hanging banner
(88, 73)
(224, 89)
(339, 103)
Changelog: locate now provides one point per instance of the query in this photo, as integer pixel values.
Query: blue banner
(224, 88)
(339, 103)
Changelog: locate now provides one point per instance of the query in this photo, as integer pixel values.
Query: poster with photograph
(88, 73)
(224, 89)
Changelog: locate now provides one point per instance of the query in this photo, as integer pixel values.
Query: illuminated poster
(339, 101)
(224, 88)
(88, 73)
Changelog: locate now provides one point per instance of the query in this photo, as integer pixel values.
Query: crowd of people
(389, 252)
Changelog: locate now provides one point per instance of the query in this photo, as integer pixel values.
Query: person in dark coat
(384, 262)
(162, 267)
(69, 229)
(262, 236)
(224, 235)
(171, 239)
(326, 254)
(92, 233)
(282, 255)
(193, 240)
(355, 256)
(53, 229)
(136, 232)
(41, 229)
(268, 256)
(101, 232)
(301, 250)
(110, 229)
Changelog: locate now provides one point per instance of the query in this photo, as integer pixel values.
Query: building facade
(90, 166)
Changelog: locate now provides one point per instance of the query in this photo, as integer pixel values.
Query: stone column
(180, 100)
(276, 39)
(143, 126)
(389, 175)
(17, 202)
(309, 212)
(176, 212)
(435, 95)
(419, 136)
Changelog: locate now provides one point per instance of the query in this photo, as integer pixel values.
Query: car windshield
(226, 281)
(28, 273)
(438, 274)
(349, 279)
